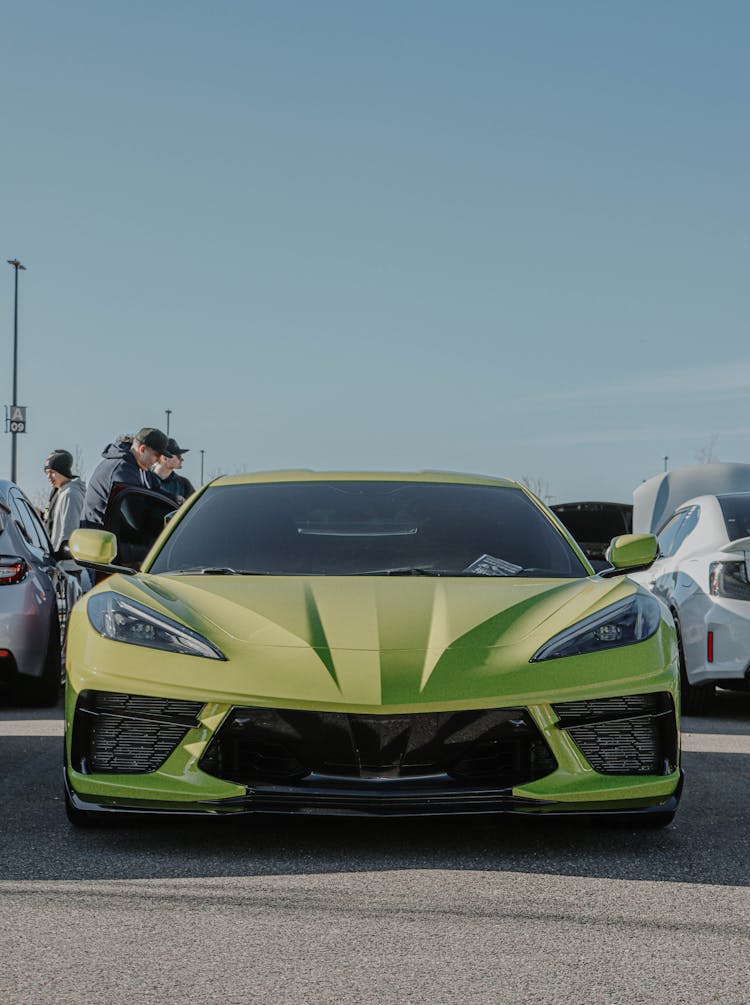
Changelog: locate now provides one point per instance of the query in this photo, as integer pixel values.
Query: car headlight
(620, 624)
(124, 620)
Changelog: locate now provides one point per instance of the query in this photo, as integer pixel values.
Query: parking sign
(16, 421)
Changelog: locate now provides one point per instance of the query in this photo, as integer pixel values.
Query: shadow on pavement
(39, 843)
(730, 713)
(701, 846)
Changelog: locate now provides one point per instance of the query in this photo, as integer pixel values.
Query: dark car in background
(594, 524)
(36, 594)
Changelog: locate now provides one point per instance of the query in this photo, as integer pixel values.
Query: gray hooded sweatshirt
(64, 512)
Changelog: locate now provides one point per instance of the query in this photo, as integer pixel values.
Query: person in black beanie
(65, 505)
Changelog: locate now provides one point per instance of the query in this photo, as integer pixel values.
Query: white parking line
(715, 743)
(31, 727)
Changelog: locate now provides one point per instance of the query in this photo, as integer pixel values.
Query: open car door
(136, 517)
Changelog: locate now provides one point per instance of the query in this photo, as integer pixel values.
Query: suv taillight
(12, 569)
(729, 579)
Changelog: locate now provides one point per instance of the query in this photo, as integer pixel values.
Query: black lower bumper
(381, 800)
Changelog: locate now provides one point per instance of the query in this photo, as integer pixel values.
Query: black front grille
(623, 706)
(130, 746)
(142, 707)
(496, 748)
(626, 735)
(128, 734)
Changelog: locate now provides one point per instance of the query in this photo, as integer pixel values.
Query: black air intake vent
(142, 707)
(496, 748)
(128, 746)
(630, 735)
(128, 734)
(622, 707)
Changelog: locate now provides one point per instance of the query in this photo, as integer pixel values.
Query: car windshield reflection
(378, 528)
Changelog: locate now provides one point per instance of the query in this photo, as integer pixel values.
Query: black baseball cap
(155, 439)
(173, 448)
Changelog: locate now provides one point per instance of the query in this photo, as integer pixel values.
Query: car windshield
(736, 510)
(366, 527)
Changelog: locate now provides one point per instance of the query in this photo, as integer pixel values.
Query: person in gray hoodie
(65, 505)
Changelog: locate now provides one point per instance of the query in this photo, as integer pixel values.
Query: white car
(703, 575)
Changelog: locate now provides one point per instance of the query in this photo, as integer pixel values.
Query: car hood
(371, 640)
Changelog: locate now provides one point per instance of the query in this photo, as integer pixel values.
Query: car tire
(695, 699)
(44, 691)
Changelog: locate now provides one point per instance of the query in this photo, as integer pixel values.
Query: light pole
(202, 453)
(666, 461)
(167, 412)
(16, 265)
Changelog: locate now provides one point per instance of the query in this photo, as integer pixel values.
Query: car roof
(305, 475)
(733, 495)
(655, 500)
(5, 486)
(707, 497)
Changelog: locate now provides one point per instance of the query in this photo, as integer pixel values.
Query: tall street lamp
(17, 266)
(202, 453)
(167, 412)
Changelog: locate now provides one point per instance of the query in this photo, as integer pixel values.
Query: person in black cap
(65, 504)
(126, 462)
(166, 469)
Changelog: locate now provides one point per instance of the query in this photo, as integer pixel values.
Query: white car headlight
(632, 620)
(124, 620)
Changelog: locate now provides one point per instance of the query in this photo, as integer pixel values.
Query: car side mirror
(631, 552)
(63, 553)
(96, 549)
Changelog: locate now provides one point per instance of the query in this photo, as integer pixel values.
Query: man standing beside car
(65, 505)
(166, 469)
(126, 462)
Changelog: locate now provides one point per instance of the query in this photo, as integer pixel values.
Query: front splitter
(351, 803)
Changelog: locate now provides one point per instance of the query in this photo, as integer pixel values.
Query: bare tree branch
(707, 454)
(538, 486)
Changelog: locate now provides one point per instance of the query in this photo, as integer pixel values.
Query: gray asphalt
(321, 911)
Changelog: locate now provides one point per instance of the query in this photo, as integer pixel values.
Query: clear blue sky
(510, 238)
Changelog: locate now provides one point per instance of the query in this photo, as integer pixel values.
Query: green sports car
(368, 644)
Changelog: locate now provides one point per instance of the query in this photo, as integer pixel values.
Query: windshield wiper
(426, 571)
(412, 570)
(211, 570)
(407, 570)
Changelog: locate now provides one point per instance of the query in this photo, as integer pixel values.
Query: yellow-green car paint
(368, 644)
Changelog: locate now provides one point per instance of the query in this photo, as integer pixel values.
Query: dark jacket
(175, 485)
(119, 467)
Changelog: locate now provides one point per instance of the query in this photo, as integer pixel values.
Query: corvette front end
(371, 696)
